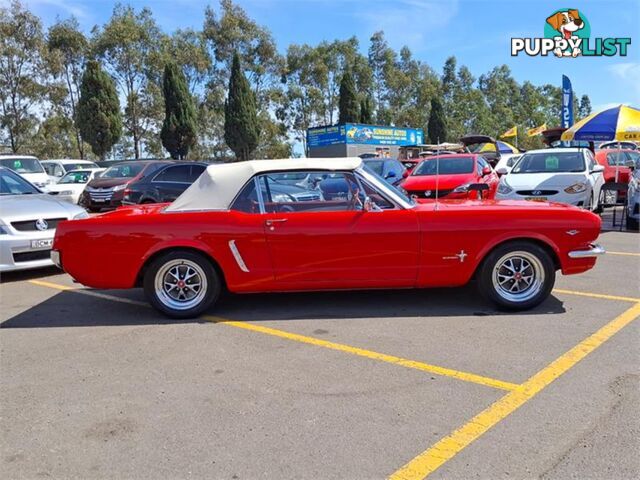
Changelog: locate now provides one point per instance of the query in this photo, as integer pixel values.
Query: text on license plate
(536, 199)
(44, 243)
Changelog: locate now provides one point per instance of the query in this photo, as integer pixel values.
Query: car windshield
(635, 159)
(550, 162)
(79, 176)
(383, 185)
(375, 165)
(124, 170)
(22, 165)
(78, 166)
(13, 184)
(447, 166)
(619, 159)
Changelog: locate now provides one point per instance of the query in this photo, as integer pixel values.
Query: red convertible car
(235, 228)
(451, 176)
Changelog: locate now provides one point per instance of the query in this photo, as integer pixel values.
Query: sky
(477, 32)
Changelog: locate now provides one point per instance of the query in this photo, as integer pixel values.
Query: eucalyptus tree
(23, 78)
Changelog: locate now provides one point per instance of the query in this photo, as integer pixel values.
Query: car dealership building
(354, 139)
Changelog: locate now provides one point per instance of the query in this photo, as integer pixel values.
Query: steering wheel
(286, 209)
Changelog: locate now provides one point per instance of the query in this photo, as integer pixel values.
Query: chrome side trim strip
(594, 251)
(237, 256)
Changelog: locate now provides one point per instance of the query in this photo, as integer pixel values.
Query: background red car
(617, 159)
(455, 173)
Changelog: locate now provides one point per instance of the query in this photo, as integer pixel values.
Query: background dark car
(165, 185)
(107, 191)
(390, 169)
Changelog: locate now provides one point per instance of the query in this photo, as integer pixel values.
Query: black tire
(157, 271)
(490, 276)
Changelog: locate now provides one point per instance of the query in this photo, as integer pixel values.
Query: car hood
(18, 207)
(445, 182)
(530, 181)
(108, 182)
(61, 187)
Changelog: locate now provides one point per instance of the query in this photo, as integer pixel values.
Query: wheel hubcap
(518, 276)
(180, 284)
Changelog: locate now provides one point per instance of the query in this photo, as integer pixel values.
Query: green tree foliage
(68, 48)
(366, 110)
(179, 128)
(98, 117)
(437, 127)
(22, 74)
(349, 107)
(241, 127)
(129, 45)
(585, 107)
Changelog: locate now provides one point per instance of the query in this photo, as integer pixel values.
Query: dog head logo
(567, 24)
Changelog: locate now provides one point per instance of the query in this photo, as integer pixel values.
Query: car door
(596, 179)
(332, 241)
(491, 179)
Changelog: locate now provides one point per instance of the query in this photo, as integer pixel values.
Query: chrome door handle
(275, 220)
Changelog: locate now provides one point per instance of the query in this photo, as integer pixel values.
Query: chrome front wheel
(518, 276)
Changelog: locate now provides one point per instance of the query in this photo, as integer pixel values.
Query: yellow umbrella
(617, 123)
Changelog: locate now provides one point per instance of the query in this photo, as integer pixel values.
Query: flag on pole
(566, 118)
(512, 132)
(532, 132)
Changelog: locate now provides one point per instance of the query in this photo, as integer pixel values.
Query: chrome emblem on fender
(41, 224)
(458, 256)
(572, 232)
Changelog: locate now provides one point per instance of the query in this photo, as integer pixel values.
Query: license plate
(44, 243)
(536, 199)
(99, 200)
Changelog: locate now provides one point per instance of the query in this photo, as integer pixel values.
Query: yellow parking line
(434, 457)
(403, 362)
(597, 295)
(624, 253)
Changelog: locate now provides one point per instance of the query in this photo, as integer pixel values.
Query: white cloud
(629, 74)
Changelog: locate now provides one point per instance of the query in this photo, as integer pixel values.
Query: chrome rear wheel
(180, 284)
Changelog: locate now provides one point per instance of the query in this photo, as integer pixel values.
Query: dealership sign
(567, 34)
(353, 133)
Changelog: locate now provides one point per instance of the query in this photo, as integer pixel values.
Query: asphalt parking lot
(401, 384)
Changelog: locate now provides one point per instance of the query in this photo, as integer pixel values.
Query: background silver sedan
(28, 220)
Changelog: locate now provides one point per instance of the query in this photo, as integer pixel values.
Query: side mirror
(502, 171)
(597, 169)
(390, 174)
(486, 171)
(405, 174)
(370, 205)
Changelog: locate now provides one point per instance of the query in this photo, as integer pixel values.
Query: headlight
(462, 188)
(117, 188)
(504, 189)
(81, 215)
(576, 188)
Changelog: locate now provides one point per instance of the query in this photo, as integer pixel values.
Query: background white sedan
(70, 187)
(565, 175)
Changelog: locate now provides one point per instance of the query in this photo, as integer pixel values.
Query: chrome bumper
(594, 251)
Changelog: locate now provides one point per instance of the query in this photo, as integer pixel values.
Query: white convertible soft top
(219, 184)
